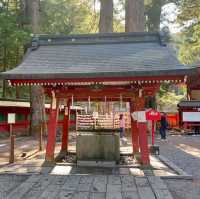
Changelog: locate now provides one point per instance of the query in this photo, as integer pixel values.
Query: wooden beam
(111, 92)
(68, 81)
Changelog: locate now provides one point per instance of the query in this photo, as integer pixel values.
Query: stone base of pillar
(49, 161)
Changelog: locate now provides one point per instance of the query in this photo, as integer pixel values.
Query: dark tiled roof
(98, 55)
(192, 103)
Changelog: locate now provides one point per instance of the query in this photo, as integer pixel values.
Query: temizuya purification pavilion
(130, 66)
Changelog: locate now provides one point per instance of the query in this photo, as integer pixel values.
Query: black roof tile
(98, 55)
(192, 103)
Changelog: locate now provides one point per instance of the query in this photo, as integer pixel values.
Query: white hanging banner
(121, 102)
(89, 104)
(72, 100)
(66, 110)
(95, 115)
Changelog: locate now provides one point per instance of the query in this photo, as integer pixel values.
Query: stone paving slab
(146, 193)
(129, 187)
(114, 188)
(97, 196)
(141, 181)
(81, 195)
(159, 187)
(47, 194)
(98, 187)
(130, 195)
(114, 195)
(86, 187)
(114, 179)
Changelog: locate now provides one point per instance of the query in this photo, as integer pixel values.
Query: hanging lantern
(72, 100)
(105, 103)
(140, 92)
(121, 102)
(89, 103)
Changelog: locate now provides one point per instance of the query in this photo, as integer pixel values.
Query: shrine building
(128, 66)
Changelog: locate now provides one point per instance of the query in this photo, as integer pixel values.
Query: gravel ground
(183, 151)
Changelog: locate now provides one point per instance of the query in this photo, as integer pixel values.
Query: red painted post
(143, 138)
(65, 134)
(153, 133)
(12, 146)
(51, 140)
(143, 143)
(134, 131)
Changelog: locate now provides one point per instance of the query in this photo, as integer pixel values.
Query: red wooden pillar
(51, 139)
(143, 139)
(134, 131)
(65, 134)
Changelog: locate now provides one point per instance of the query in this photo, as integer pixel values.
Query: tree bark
(35, 19)
(134, 16)
(106, 16)
(37, 98)
(153, 13)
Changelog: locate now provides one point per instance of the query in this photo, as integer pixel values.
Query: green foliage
(189, 18)
(13, 36)
(68, 16)
(169, 96)
(168, 102)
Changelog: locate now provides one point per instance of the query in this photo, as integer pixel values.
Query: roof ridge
(97, 38)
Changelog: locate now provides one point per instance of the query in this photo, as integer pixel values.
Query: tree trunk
(153, 13)
(106, 16)
(37, 98)
(35, 19)
(134, 17)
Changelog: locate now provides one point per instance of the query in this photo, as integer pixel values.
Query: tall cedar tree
(134, 16)
(37, 98)
(106, 16)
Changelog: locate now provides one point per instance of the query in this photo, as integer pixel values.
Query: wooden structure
(118, 66)
(189, 114)
(22, 110)
(108, 121)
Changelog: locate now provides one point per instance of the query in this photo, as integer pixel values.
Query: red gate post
(143, 139)
(51, 140)
(65, 134)
(134, 131)
(153, 133)
(12, 146)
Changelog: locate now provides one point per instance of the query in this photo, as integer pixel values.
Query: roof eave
(36, 76)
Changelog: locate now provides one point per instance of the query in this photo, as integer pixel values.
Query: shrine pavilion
(128, 66)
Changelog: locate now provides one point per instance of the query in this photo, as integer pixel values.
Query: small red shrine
(128, 66)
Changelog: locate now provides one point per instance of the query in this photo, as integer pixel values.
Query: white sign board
(122, 110)
(11, 118)
(191, 116)
(134, 115)
(140, 116)
(95, 115)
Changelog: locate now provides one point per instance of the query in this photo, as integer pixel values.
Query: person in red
(121, 125)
